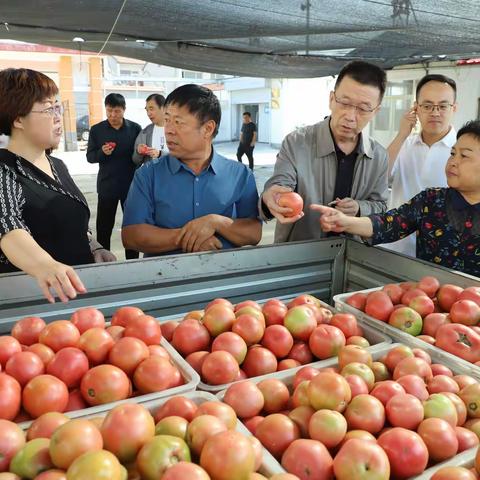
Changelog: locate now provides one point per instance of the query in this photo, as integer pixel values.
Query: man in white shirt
(417, 162)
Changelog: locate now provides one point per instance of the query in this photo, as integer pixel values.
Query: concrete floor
(84, 175)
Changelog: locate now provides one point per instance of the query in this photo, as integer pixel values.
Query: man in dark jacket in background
(110, 144)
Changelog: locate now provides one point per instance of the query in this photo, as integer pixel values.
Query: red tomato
(245, 398)
(8, 347)
(353, 353)
(466, 439)
(219, 367)
(396, 354)
(387, 389)
(104, 384)
(459, 340)
(278, 340)
(249, 327)
(69, 365)
(459, 406)
(454, 473)
(75, 401)
(308, 456)
(301, 352)
(220, 410)
(423, 305)
(72, 439)
(442, 383)
(326, 341)
(379, 306)
(96, 343)
(357, 385)
(228, 455)
(433, 321)
(27, 330)
(247, 303)
(59, 334)
(470, 293)
(276, 433)
(447, 295)
(45, 425)
(126, 429)
(329, 390)
(116, 332)
(43, 394)
(24, 366)
(286, 364)
(168, 328)
(190, 336)
(404, 410)
(12, 439)
(414, 366)
(365, 412)
(220, 301)
(200, 429)
(274, 313)
(328, 427)
(155, 374)
(305, 373)
(45, 353)
(429, 285)
(196, 359)
(290, 200)
(358, 301)
(276, 395)
(406, 451)
(361, 459)
(86, 318)
(259, 361)
(128, 353)
(439, 437)
(184, 470)
(157, 350)
(10, 397)
(124, 314)
(218, 319)
(466, 312)
(232, 343)
(414, 385)
(144, 327)
(346, 322)
(176, 406)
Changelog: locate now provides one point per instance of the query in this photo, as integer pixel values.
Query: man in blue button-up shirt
(192, 199)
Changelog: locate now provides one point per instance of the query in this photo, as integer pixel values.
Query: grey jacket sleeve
(377, 199)
(285, 171)
(136, 157)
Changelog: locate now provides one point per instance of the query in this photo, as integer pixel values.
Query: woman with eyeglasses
(43, 215)
(151, 142)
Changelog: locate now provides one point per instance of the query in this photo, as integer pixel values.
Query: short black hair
(115, 100)
(436, 77)
(365, 73)
(159, 99)
(470, 128)
(200, 101)
(247, 113)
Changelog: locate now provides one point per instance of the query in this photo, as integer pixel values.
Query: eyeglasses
(360, 110)
(54, 110)
(430, 107)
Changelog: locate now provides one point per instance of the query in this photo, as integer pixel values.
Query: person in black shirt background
(110, 144)
(43, 215)
(248, 137)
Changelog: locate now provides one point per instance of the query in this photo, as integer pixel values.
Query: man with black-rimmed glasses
(417, 162)
(333, 162)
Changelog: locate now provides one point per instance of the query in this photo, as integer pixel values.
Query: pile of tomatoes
(226, 343)
(446, 316)
(393, 417)
(72, 364)
(182, 439)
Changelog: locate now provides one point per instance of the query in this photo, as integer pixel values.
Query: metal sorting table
(169, 285)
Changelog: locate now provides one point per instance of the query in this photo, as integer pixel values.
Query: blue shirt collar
(459, 202)
(176, 165)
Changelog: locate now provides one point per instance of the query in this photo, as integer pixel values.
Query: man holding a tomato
(192, 199)
(332, 162)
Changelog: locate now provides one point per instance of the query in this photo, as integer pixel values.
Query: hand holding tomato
(108, 147)
(196, 232)
(282, 214)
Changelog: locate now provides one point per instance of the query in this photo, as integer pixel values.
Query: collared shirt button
(197, 179)
(197, 204)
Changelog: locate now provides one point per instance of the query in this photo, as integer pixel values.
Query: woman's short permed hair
(20, 89)
(470, 128)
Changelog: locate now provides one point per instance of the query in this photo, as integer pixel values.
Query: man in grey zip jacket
(332, 162)
(144, 138)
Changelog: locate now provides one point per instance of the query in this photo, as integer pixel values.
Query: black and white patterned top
(52, 210)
